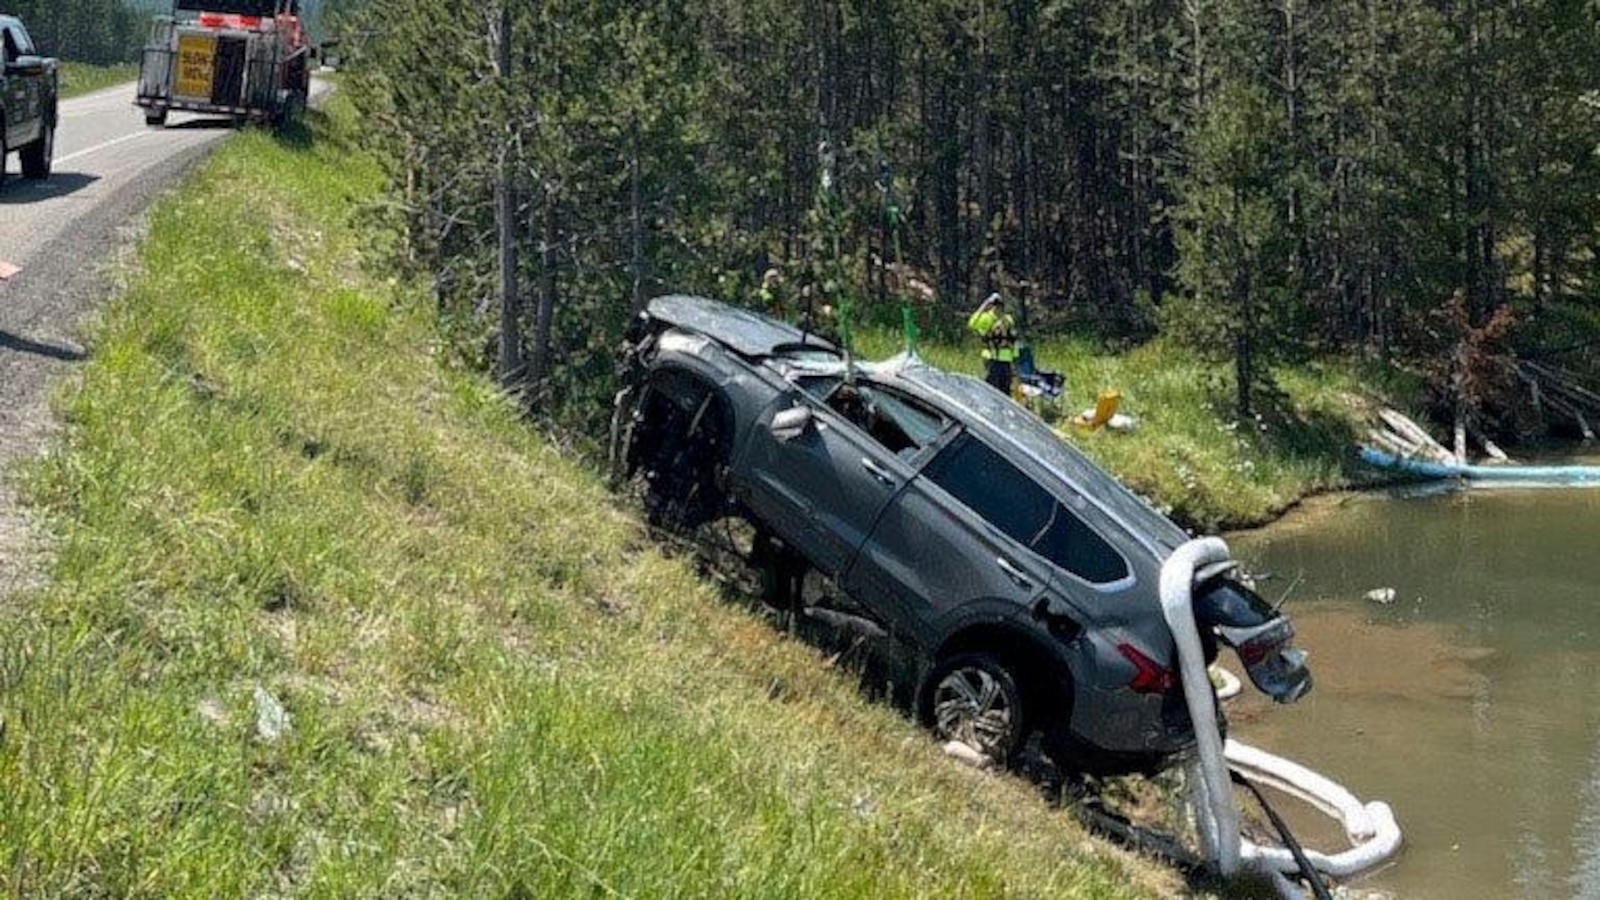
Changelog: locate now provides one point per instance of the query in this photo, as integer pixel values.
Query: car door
(26, 92)
(954, 544)
(817, 476)
(14, 103)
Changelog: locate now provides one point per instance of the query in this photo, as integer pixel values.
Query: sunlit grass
(496, 685)
(82, 78)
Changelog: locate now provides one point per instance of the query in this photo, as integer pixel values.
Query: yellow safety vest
(999, 333)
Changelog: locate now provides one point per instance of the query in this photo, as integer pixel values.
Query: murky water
(1471, 703)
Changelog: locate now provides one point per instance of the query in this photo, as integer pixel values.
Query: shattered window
(902, 426)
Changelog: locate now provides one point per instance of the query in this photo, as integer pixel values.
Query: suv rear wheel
(975, 698)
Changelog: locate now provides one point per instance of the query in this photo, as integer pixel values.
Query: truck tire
(155, 118)
(36, 157)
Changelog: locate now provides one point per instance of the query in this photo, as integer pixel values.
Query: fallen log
(1426, 445)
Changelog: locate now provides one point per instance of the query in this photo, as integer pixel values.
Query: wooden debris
(1410, 440)
(1555, 390)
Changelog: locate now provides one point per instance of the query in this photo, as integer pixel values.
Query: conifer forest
(1262, 182)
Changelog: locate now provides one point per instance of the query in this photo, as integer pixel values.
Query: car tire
(37, 156)
(976, 699)
(4, 151)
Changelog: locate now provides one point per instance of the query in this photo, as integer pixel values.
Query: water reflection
(1466, 702)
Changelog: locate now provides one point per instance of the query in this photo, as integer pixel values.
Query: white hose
(1218, 818)
(1228, 684)
(1370, 827)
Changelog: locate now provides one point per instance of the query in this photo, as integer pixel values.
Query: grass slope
(81, 78)
(495, 685)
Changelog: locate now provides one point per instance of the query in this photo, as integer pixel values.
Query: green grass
(81, 78)
(1189, 454)
(496, 685)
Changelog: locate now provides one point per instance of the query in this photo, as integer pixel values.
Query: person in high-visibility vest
(999, 334)
(770, 295)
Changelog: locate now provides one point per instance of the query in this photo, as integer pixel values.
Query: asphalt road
(62, 236)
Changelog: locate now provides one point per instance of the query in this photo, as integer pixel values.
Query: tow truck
(249, 60)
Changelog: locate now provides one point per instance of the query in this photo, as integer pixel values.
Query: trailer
(248, 60)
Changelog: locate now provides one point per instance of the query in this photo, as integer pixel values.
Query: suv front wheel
(975, 699)
(37, 156)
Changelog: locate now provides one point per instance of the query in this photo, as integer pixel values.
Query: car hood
(746, 332)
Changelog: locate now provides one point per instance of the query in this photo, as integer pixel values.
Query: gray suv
(1013, 580)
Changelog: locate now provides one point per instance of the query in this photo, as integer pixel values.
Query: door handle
(1019, 577)
(877, 472)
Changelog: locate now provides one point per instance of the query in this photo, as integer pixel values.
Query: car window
(11, 48)
(993, 408)
(1005, 497)
(903, 426)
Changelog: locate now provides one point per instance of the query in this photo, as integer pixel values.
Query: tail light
(1150, 677)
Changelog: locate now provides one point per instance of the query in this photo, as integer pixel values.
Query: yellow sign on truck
(197, 59)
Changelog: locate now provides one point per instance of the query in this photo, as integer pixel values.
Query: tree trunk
(511, 356)
(636, 207)
(550, 234)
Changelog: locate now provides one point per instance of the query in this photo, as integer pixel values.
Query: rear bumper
(162, 104)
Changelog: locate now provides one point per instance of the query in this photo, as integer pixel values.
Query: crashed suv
(1014, 580)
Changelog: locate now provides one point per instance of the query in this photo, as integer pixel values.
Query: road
(108, 163)
(62, 236)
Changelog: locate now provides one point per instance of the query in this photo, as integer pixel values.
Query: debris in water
(1384, 595)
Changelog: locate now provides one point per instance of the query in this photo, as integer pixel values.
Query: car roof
(745, 331)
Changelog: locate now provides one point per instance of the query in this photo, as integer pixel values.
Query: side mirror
(790, 423)
(26, 65)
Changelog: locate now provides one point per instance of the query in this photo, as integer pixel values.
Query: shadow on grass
(1317, 437)
(297, 133)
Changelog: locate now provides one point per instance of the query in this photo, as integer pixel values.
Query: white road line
(101, 146)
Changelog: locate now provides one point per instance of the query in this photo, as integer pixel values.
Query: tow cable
(1314, 878)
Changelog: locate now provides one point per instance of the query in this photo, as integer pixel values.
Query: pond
(1470, 702)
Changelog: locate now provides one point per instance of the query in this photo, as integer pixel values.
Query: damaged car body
(1014, 581)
